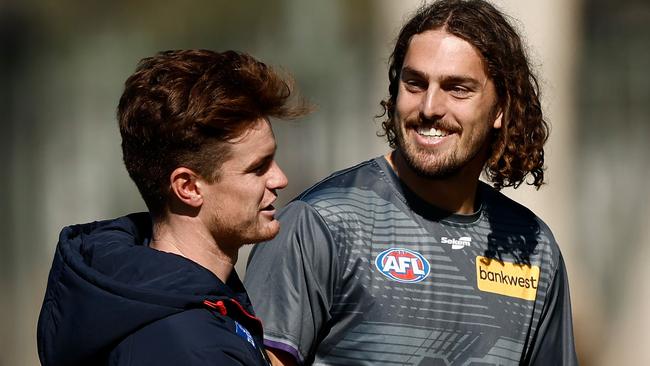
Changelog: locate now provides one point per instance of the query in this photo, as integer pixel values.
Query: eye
(414, 85)
(262, 168)
(459, 91)
(259, 170)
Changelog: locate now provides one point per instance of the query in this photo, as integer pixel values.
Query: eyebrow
(407, 71)
(460, 79)
(447, 79)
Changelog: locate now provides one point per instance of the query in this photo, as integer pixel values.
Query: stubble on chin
(426, 164)
(265, 233)
(441, 164)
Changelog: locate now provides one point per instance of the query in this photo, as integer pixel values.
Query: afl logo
(402, 265)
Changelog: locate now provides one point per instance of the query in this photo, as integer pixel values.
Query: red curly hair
(180, 108)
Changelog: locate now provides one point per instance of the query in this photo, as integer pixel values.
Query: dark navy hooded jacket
(112, 300)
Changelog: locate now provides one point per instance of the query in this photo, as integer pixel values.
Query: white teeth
(431, 132)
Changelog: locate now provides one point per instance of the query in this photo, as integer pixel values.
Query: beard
(430, 164)
(236, 234)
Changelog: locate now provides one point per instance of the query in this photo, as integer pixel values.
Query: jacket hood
(105, 283)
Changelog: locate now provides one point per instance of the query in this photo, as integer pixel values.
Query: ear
(498, 120)
(185, 187)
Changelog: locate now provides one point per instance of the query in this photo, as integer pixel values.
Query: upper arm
(554, 342)
(290, 280)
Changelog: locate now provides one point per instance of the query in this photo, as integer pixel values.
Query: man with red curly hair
(408, 258)
(159, 288)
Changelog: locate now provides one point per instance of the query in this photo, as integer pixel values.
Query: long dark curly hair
(517, 148)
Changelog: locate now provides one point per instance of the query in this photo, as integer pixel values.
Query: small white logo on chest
(459, 243)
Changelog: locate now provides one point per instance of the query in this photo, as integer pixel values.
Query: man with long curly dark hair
(159, 287)
(408, 258)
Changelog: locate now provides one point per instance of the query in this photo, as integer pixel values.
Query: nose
(278, 179)
(433, 104)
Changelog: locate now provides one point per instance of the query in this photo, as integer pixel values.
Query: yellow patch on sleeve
(509, 279)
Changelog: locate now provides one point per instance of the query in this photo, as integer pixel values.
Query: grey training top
(363, 272)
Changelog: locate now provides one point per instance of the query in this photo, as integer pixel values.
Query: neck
(456, 193)
(187, 237)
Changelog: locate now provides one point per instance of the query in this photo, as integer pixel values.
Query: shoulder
(517, 227)
(344, 182)
(501, 208)
(191, 337)
(350, 193)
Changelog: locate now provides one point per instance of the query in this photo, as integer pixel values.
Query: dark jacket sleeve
(194, 337)
(554, 343)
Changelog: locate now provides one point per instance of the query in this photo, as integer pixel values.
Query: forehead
(437, 52)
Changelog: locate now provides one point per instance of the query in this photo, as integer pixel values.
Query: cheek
(253, 192)
(404, 104)
(402, 115)
(475, 115)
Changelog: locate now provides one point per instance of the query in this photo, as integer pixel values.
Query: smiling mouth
(431, 132)
(431, 129)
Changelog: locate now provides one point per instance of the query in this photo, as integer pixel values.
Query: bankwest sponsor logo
(506, 278)
(402, 265)
(459, 243)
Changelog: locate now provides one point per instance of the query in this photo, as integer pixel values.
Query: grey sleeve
(554, 343)
(291, 280)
